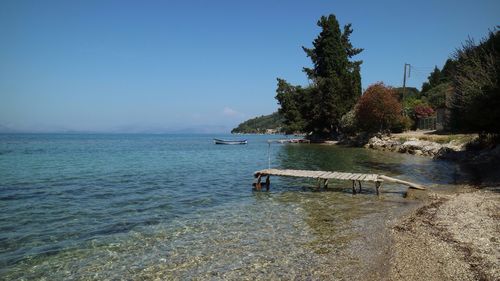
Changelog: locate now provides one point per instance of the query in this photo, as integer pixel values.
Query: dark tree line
(475, 102)
(469, 86)
(335, 84)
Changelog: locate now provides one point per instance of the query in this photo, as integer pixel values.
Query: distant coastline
(271, 124)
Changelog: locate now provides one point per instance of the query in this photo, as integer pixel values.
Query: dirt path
(454, 237)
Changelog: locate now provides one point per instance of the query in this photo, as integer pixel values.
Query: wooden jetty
(324, 176)
(290, 141)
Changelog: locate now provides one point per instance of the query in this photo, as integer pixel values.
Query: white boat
(219, 141)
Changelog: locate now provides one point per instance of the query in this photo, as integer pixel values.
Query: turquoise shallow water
(82, 206)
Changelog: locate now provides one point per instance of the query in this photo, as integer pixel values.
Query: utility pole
(404, 84)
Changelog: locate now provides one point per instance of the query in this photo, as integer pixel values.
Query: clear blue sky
(200, 65)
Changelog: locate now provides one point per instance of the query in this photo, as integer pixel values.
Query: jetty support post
(377, 187)
(268, 182)
(359, 184)
(353, 187)
(258, 186)
(325, 184)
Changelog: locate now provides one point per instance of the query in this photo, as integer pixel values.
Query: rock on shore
(412, 146)
(450, 151)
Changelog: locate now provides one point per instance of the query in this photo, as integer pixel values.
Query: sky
(200, 66)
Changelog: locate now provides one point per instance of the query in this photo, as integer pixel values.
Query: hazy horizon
(123, 130)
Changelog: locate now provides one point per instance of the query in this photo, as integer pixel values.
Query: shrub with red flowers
(423, 111)
(378, 109)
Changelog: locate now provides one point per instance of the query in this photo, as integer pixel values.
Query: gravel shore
(453, 237)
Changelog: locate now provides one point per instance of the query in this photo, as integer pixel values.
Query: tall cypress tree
(336, 83)
(336, 78)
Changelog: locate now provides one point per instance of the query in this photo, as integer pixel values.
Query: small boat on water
(219, 141)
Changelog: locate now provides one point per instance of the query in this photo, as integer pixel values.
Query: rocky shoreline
(413, 146)
(453, 150)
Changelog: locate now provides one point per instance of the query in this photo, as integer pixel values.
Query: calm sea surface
(98, 207)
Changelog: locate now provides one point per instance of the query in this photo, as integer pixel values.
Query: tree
(437, 95)
(290, 101)
(434, 79)
(336, 84)
(448, 71)
(348, 123)
(378, 109)
(411, 105)
(438, 83)
(475, 103)
(336, 79)
(409, 92)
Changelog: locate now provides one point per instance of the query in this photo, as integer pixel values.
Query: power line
(423, 67)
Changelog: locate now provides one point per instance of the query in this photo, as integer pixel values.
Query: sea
(179, 207)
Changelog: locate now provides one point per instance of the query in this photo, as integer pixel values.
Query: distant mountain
(271, 123)
(195, 129)
(5, 129)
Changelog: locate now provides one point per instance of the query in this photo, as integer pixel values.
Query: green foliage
(410, 103)
(449, 70)
(468, 85)
(426, 86)
(475, 103)
(434, 79)
(410, 92)
(260, 124)
(437, 96)
(402, 124)
(336, 83)
(291, 99)
(348, 123)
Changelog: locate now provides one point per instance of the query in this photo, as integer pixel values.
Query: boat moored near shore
(220, 141)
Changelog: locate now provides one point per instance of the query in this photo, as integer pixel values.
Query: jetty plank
(354, 176)
(327, 175)
(362, 177)
(334, 175)
(345, 176)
